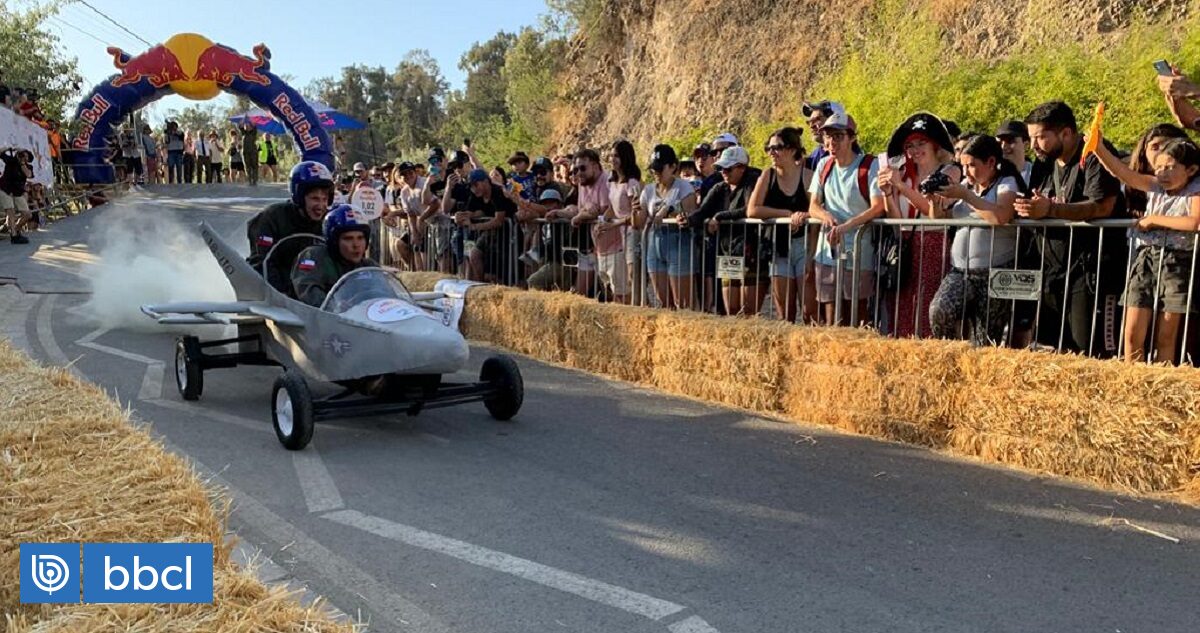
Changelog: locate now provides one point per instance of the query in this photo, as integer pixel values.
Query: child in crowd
(1161, 284)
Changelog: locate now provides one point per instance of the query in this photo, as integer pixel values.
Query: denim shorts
(672, 251)
(792, 266)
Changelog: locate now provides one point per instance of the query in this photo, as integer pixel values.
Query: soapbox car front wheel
(189, 377)
(292, 411)
(502, 373)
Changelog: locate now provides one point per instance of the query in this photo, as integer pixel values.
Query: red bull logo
(300, 123)
(221, 64)
(90, 117)
(158, 65)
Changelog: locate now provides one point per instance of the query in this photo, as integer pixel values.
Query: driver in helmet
(318, 267)
(312, 190)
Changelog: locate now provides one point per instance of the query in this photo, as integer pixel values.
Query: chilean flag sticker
(265, 240)
(306, 265)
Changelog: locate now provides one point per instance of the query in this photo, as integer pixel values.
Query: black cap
(406, 166)
(703, 149)
(663, 155)
(542, 164)
(1015, 129)
(459, 156)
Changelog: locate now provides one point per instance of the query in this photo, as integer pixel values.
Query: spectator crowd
(909, 241)
(205, 156)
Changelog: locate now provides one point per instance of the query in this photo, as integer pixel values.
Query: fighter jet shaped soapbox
(387, 347)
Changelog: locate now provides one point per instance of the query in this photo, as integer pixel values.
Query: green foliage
(197, 118)
(510, 90)
(31, 59)
(403, 108)
(897, 72)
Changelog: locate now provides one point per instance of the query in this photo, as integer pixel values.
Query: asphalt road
(605, 507)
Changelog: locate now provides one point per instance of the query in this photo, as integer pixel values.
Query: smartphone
(1163, 68)
(467, 141)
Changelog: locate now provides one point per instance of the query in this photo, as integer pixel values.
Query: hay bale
(74, 469)
(1131, 426)
(612, 340)
(422, 281)
(737, 362)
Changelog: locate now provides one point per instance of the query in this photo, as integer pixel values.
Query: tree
(531, 67)
(403, 108)
(482, 104)
(33, 61)
(197, 118)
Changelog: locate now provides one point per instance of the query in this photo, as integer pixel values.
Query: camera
(934, 183)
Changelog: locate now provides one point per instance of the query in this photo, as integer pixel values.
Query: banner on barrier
(18, 131)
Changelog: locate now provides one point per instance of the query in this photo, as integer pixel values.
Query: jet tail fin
(247, 284)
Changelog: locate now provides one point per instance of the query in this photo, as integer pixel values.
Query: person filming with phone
(1181, 94)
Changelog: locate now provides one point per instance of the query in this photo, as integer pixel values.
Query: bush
(901, 71)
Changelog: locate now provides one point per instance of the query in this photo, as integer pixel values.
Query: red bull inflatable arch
(192, 66)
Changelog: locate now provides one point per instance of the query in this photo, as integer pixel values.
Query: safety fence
(1046, 284)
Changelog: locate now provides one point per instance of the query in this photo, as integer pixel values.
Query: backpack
(864, 174)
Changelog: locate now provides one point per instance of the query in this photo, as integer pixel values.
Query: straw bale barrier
(74, 469)
(1133, 427)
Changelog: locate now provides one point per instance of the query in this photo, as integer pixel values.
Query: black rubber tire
(189, 379)
(300, 399)
(503, 373)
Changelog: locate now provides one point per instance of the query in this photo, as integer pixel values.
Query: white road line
(137, 358)
(320, 492)
(245, 423)
(347, 577)
(46, 336)
(587, 588)
(694, 624)
(152, 382)
(91, 336)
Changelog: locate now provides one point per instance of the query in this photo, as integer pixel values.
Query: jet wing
(220, 313)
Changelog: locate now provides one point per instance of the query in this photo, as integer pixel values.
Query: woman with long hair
(919, 148)
(626, 187)
(782, 192)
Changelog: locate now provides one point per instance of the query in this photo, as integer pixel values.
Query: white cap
(840, 121)
(725, 139)
(735, 155)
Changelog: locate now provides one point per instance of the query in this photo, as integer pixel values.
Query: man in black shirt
(16, 172)
(484, 217)
(1083, 271)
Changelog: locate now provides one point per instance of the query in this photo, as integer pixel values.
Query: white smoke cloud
(146, 256)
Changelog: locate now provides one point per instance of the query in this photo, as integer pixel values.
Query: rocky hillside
(650, 69)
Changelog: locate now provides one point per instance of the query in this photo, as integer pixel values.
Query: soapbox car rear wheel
(189, 378)
(502, 373)
(292, 411)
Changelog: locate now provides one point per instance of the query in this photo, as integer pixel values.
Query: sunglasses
(778, 147)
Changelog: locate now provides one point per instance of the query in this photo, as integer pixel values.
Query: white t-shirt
(409, 198)
(842, 199)
(978, 248)
(656, 205)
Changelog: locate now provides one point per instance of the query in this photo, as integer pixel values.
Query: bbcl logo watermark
(170, 573)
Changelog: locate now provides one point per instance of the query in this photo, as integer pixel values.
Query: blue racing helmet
(307, 176)
(340, 219)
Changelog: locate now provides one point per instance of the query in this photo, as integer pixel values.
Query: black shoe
(19, 239)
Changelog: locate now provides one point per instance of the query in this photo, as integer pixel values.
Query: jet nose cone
(430, 347)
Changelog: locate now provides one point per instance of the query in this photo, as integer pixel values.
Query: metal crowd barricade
(1049, 284)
